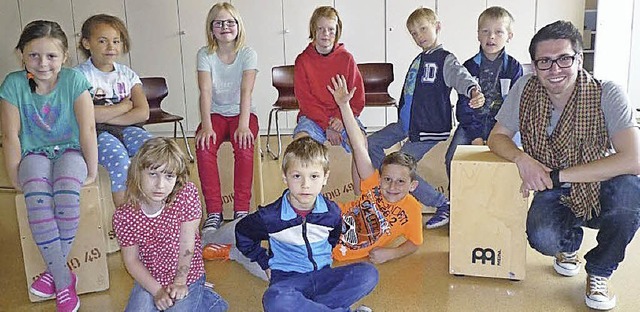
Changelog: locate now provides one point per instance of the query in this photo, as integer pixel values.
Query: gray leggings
(52, 195)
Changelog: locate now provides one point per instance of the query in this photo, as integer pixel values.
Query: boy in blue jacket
(496, 72)
(424, 113)
(302, 228)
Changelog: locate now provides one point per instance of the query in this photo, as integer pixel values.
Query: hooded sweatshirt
(312, 74)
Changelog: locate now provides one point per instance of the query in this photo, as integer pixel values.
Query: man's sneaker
(567, 263)
(440, 218)
(216, 252)
(239, 214)
(43, 286)
(67, 299)
(598, 295)
(213, 222)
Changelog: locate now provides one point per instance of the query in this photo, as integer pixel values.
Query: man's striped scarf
(580, 136)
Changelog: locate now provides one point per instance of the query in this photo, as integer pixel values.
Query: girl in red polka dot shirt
(157, 229)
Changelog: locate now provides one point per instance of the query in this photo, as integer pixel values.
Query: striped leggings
(52, 195)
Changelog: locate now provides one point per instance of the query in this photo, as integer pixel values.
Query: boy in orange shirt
(385, 210)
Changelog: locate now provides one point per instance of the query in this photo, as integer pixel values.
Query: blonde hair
(327, 12)
(307, 151)
(108, 20)
(212, 43)
(422, 14)
(496, 13)
(155, 153)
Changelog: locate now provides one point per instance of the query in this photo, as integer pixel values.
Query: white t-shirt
(226, 79)
(112, 86)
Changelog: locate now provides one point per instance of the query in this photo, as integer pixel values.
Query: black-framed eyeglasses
(221, 23)
(564, 61)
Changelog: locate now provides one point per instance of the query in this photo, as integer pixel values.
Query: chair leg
(268, 146)
(175, 128)
(186, 142)
(278, 135)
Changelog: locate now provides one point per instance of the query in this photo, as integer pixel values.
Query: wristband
(555, 178)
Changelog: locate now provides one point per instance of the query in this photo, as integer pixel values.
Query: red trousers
(224, 127)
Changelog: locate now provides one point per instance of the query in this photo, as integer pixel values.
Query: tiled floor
(419, 282)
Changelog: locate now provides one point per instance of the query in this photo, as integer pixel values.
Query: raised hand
(338, 89)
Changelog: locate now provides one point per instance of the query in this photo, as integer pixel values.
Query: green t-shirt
(48, 122)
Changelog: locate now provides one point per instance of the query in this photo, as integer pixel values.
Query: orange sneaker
(216, 251)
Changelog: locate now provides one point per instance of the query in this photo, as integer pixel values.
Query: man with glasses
(580, 157)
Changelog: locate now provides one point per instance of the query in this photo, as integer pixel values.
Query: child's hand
(336, 124)
(380, 255)
(477, 98)
(334, 136)
(91, 177)
(244, 137)
(477, 141)
(341, 95)
(162, 299)
(204, 137)
(127, 104)
(177, 292)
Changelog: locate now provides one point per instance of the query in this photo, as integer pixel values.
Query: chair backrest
(377, 77)
(155, 89)
(282, 80)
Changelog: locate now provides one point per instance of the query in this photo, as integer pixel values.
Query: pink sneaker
(67, 300)
(43, 286)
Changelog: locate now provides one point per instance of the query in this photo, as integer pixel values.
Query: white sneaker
(598, 295)
(363, 308)
(567, 263)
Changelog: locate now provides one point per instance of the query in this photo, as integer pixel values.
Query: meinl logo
(486, 255)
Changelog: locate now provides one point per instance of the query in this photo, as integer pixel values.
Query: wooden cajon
(225, 169)
(88, 258)
(488, 214)
(107, 208)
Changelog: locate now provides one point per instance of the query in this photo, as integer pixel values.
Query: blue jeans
(553, 228)
(200, 298)
(317, 133)
(389, 136)
(328, 289)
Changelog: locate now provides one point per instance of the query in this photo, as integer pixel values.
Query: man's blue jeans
(389, 136)
(553, 228)
(200, 298)
(328, 289)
